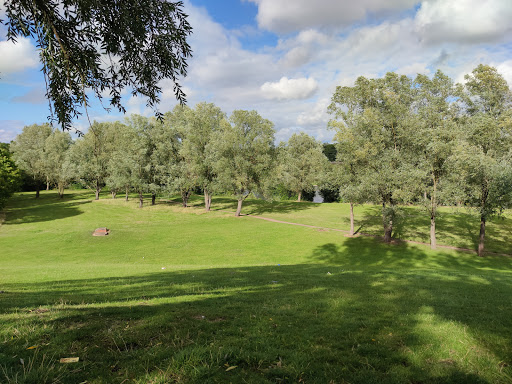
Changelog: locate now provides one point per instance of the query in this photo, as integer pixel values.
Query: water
(318, 197)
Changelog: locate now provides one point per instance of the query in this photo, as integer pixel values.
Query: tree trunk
(433, 208)
(153, 199)
(37, 192)
(239, 207)
(60, 187)
(207, 201)
(126, 196)
(388, 225)
(351, 219)
(388, 231)
(433, 242)
(114, 193)
(97, 194)
(47, 183)
(141, 199)
(482, 237)
(184, 198)
(299, 196)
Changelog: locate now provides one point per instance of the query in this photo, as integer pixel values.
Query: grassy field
(178, 295)
(457, 227)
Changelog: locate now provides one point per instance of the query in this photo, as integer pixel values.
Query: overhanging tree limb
(145, 41)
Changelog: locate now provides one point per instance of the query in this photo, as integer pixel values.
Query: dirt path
(368, 235)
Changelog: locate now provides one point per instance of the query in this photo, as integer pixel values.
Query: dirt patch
(101, 232)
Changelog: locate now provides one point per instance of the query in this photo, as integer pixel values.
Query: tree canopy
(103, 46)
(9, 174)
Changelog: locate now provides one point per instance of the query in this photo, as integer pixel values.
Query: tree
(350, 166)
(377, 116)
(103, 46)
(201, 124)
(56, 147)
(483, 156)
(181, 177)
(9, 174)
(121, 164)
(244, 147)
(142, 151)
(330, 151)
(303, 163)
(89, 157)
(436, 133)
(28, 152)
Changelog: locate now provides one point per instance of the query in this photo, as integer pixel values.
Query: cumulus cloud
(290, 88)
(284, 16)
(16, 57)
(465, 21)
(315, 114)
(414, 69)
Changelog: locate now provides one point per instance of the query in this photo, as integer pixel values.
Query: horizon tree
(56, 148)
(29, 153)
(89, 157)
(377, 112)
(245, 149)
(202, 123)
(436, 133)
(483, 155)
(303, 163)
(9, 174)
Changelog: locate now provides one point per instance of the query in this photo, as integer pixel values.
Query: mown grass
(457, 227)
(240, 299)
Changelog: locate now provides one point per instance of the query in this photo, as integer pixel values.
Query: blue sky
(284, 58)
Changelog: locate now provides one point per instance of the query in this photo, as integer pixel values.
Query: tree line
(190, 149)
(424, 141)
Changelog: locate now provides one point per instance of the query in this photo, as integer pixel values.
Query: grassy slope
(456, 227)
(280, 303)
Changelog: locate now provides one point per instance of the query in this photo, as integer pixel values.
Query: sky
(284, 58)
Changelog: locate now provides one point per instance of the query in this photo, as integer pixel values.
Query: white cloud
(505, 69)
(290, 88)
(10, 129)
(284, 16)
(466, 21)
(16, 57)
(414, 69)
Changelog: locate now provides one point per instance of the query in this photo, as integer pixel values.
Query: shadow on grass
(25, 208)
(363, 315)
(250, 206)
(457, 227)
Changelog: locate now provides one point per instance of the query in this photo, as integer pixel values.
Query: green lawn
(178, 295)
(457, 227)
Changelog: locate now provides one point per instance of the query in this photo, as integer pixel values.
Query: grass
(178, 295)
(457, 227)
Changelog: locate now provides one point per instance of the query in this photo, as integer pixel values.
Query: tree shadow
(24, 208)
(250, 206)
(455, 228)
(362, 312)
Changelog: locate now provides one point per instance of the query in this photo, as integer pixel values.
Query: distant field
(176, 295)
